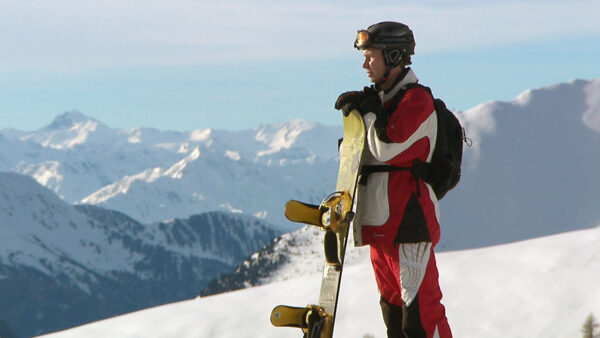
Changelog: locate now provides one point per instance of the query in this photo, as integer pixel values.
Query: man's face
(374, 64)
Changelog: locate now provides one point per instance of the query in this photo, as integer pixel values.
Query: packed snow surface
(544, 287)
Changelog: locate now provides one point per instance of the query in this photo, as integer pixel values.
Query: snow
(234, 155)
(176, 171)
(200, 135)
(532, 163)
(591, 117)
(281, 136)
(67, 131)
(544, 287)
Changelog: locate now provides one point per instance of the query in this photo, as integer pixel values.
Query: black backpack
(443, 173)
(444, 170)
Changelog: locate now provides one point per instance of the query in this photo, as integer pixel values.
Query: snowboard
(334, 216)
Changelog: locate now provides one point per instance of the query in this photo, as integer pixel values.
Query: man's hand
(366, 101)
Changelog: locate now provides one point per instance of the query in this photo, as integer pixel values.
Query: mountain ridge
(80, 163)
(75, 257)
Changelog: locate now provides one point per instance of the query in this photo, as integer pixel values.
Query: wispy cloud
(71, 33)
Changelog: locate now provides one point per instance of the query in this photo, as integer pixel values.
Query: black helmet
(395, 39)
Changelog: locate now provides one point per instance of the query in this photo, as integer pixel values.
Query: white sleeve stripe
(384, 152)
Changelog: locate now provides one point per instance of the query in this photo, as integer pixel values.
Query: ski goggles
(362, 39)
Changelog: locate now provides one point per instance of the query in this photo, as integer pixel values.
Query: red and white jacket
(395, 207)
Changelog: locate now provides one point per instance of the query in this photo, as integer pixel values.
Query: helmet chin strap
(384, 78)
(388, 68)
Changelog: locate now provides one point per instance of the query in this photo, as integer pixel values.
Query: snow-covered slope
(41, 231)
(37, 227)
(544, 287)
(532, 169)
(64, 265)
(286, 257)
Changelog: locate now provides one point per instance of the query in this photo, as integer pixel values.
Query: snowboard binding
(331, 215)
(312, 319)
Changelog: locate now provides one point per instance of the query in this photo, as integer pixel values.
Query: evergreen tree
(590, 327)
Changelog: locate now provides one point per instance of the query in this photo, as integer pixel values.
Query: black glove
(366, 101)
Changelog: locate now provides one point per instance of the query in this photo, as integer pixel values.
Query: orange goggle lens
(361, 39)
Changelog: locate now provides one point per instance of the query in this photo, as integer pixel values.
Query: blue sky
(189, 64)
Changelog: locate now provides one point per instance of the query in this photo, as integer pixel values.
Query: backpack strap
(405, 89)
(416, 170)
(367, 170)
(382, 119)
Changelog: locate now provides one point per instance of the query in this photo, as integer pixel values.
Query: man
(397, 213)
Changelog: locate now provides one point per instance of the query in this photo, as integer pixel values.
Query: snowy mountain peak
(564, 108)
(69, 130)
(573, 97)
(69, 119)
(281, 135)
(200, 135)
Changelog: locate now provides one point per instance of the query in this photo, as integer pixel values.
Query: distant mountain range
(153, 175)
(532, 162)
(109, 220)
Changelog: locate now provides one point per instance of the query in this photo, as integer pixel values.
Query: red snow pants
(407, 278)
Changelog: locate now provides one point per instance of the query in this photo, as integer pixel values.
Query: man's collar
(406, 76)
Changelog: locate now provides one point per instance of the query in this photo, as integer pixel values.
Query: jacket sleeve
(409, 133)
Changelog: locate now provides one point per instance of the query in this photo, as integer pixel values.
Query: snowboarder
(397, 213)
